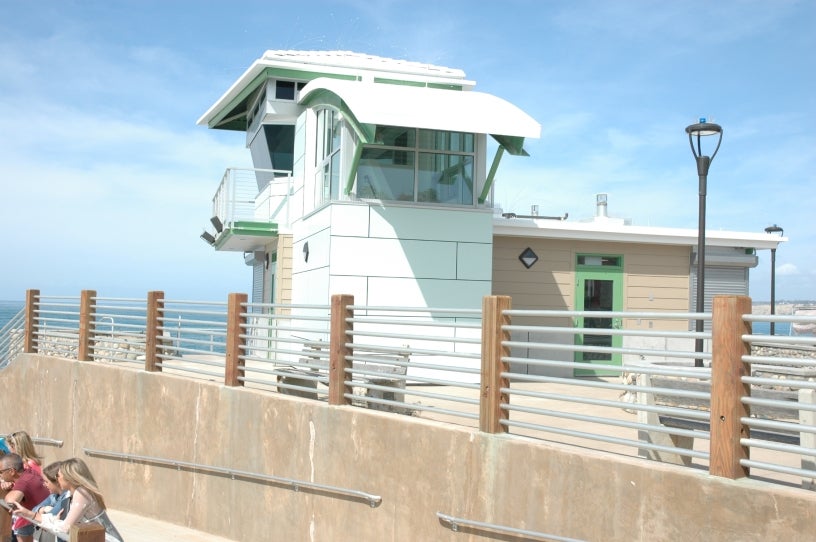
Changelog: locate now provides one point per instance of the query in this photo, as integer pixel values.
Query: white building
(372, 177)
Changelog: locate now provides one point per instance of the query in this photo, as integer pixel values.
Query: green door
(599, 287)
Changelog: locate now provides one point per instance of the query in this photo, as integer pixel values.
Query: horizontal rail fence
(559, 385)
(54, 321)
(781, 421)
(630, 387)
(412, 361)
(118, 330)
(283, 348)
(12, 338)
(190, 336)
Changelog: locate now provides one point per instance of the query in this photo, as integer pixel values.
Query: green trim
(355, 163)
(599, 268)
(399, 82)
(513, 144)
(246, 228)
(441, 86)
(491, 176)
(607, 273)
(364, 132)
(235, 102)
(238, 121)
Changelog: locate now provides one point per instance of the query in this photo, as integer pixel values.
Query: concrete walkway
(135, 528)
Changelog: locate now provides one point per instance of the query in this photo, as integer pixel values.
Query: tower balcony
(249, 208)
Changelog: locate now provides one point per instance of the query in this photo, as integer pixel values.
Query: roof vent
(600, 205)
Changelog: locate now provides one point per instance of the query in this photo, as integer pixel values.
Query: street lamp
(778, 231)
(698, 131)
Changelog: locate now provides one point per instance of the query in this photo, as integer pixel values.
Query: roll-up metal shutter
(257, 283)
(718, 281)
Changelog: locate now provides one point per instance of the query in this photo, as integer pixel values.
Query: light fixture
(528, 257)
(698, 131)
(306, 251)
(208, 238)
(217, 224)
(773, 230)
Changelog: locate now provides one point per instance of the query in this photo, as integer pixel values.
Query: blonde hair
(76, 472)
(24, 447)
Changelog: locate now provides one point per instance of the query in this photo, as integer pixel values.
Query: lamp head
(774, 229)
(700, 130)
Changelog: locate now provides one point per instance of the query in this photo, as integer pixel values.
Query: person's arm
(22, 511)
(15, 495)
(79, 501)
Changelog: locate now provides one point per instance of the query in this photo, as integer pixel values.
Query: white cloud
(787, 269)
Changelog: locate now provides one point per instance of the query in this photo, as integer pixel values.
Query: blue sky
(107, 181)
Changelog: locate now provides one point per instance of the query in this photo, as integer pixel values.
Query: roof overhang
(307, 65)
(422, 107)
(623, 233)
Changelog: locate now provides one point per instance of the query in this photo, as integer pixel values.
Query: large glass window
(408, 164)
(330, 131)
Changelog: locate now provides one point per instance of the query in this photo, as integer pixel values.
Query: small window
(284, 90)
(593, 260)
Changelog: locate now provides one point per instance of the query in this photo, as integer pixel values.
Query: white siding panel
(318, 221)
(356, 286)
(435, 223)
(393, 258)
(474, 261)
(427, 292)
(350, 220)
(311, 287)
(319, 244)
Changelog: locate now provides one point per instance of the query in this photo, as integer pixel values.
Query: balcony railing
(253, 195)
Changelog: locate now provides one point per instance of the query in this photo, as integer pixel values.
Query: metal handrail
(41, 440)
(296, 485)
(455, 523)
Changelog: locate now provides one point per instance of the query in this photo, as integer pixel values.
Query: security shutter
(257, 282)
(718, 281)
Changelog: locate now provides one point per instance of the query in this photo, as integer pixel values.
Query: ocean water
(8, 309)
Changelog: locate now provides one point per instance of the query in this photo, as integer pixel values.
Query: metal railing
(253, 195)
(192, 338)
(12, 335)
(524, 372)
(560, 388)
(414, 361)
(784, 366)
(291, 483)
(276, 339)
(455, 524)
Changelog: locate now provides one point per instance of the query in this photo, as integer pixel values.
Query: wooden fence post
(32, 304)
(236, 326)
(727, 389)
(153, 323)
(87, 532)
(87, 310)
(491, 397)
(338, 351)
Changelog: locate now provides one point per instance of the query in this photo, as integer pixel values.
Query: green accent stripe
(399, 82)
(247, 229)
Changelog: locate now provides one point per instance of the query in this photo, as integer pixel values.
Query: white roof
(421, 107)
(344, 63)
(615, 231)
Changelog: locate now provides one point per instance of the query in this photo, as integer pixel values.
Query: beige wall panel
(655, 277)
(418, 467)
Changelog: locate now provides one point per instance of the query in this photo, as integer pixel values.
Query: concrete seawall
(418, 467)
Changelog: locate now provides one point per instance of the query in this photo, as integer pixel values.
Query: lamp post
(779, 231)
(698, 131)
